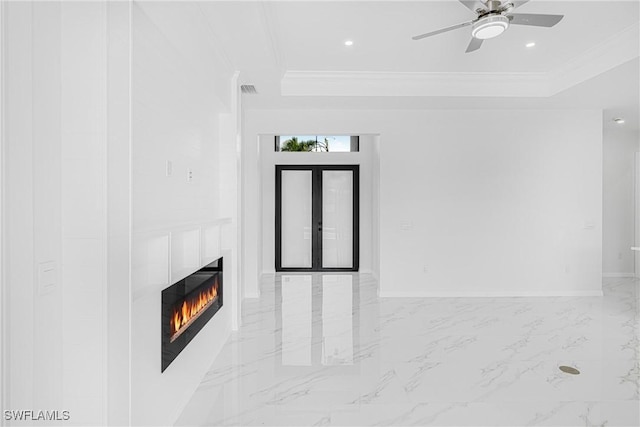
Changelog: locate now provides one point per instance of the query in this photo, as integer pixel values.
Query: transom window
(317, 143)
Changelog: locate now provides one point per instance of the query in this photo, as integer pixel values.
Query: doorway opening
(317, 218)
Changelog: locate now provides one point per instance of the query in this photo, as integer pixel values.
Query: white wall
(251, 218)
(18, 202)
(84, 139)
(229, 175)
(55, 69)
(375, 205)
(481, 202)
(269, 158)
(620, 146)
(99, 96)
(180, 87)
(637, 209)
(118, 213)
(637, 212)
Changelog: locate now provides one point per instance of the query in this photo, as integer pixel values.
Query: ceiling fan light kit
(493, 18)
(489, 27)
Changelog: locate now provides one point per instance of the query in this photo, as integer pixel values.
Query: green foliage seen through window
(293, 144)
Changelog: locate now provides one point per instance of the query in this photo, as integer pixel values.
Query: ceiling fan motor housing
(490, 26)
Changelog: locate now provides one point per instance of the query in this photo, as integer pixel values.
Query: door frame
(316, 234)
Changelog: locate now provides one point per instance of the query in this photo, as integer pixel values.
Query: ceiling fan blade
(443, 30)
(534, 19)
(473, 5)
(474, 45)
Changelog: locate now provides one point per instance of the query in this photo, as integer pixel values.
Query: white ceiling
(311, 35)
(269, 40)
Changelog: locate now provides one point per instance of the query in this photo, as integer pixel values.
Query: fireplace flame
(191, 308)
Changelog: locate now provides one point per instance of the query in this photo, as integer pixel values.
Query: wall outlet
(189, 175)
(425, 269)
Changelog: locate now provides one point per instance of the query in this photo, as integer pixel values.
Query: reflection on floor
(325, 350)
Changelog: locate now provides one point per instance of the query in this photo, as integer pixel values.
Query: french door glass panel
(296, 218)
(337, 219)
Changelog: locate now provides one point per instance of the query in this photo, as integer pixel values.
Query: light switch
(169, 168)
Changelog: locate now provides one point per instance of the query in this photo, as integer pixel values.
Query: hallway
(323, 349)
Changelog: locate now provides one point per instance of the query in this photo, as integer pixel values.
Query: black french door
(317, 218)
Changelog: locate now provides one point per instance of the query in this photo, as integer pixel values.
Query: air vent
(250, 89)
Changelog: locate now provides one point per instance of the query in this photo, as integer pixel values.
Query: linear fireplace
(187, 306)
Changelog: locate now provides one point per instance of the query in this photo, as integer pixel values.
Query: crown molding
(608, 54)
(356, 83)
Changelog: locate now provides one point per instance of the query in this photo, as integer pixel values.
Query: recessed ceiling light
(531, 44)
(619, 120)
(348, 43)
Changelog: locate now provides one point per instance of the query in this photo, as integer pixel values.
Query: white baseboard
(618, 275)
(488, 294)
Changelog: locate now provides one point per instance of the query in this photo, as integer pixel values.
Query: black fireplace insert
(187, 306)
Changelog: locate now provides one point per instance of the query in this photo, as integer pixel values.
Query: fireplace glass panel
(187, 306)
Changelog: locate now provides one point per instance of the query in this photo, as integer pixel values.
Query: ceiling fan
(494, 17)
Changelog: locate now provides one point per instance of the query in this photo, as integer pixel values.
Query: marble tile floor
(323, 349)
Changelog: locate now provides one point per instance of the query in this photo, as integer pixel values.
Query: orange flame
(191, 309)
